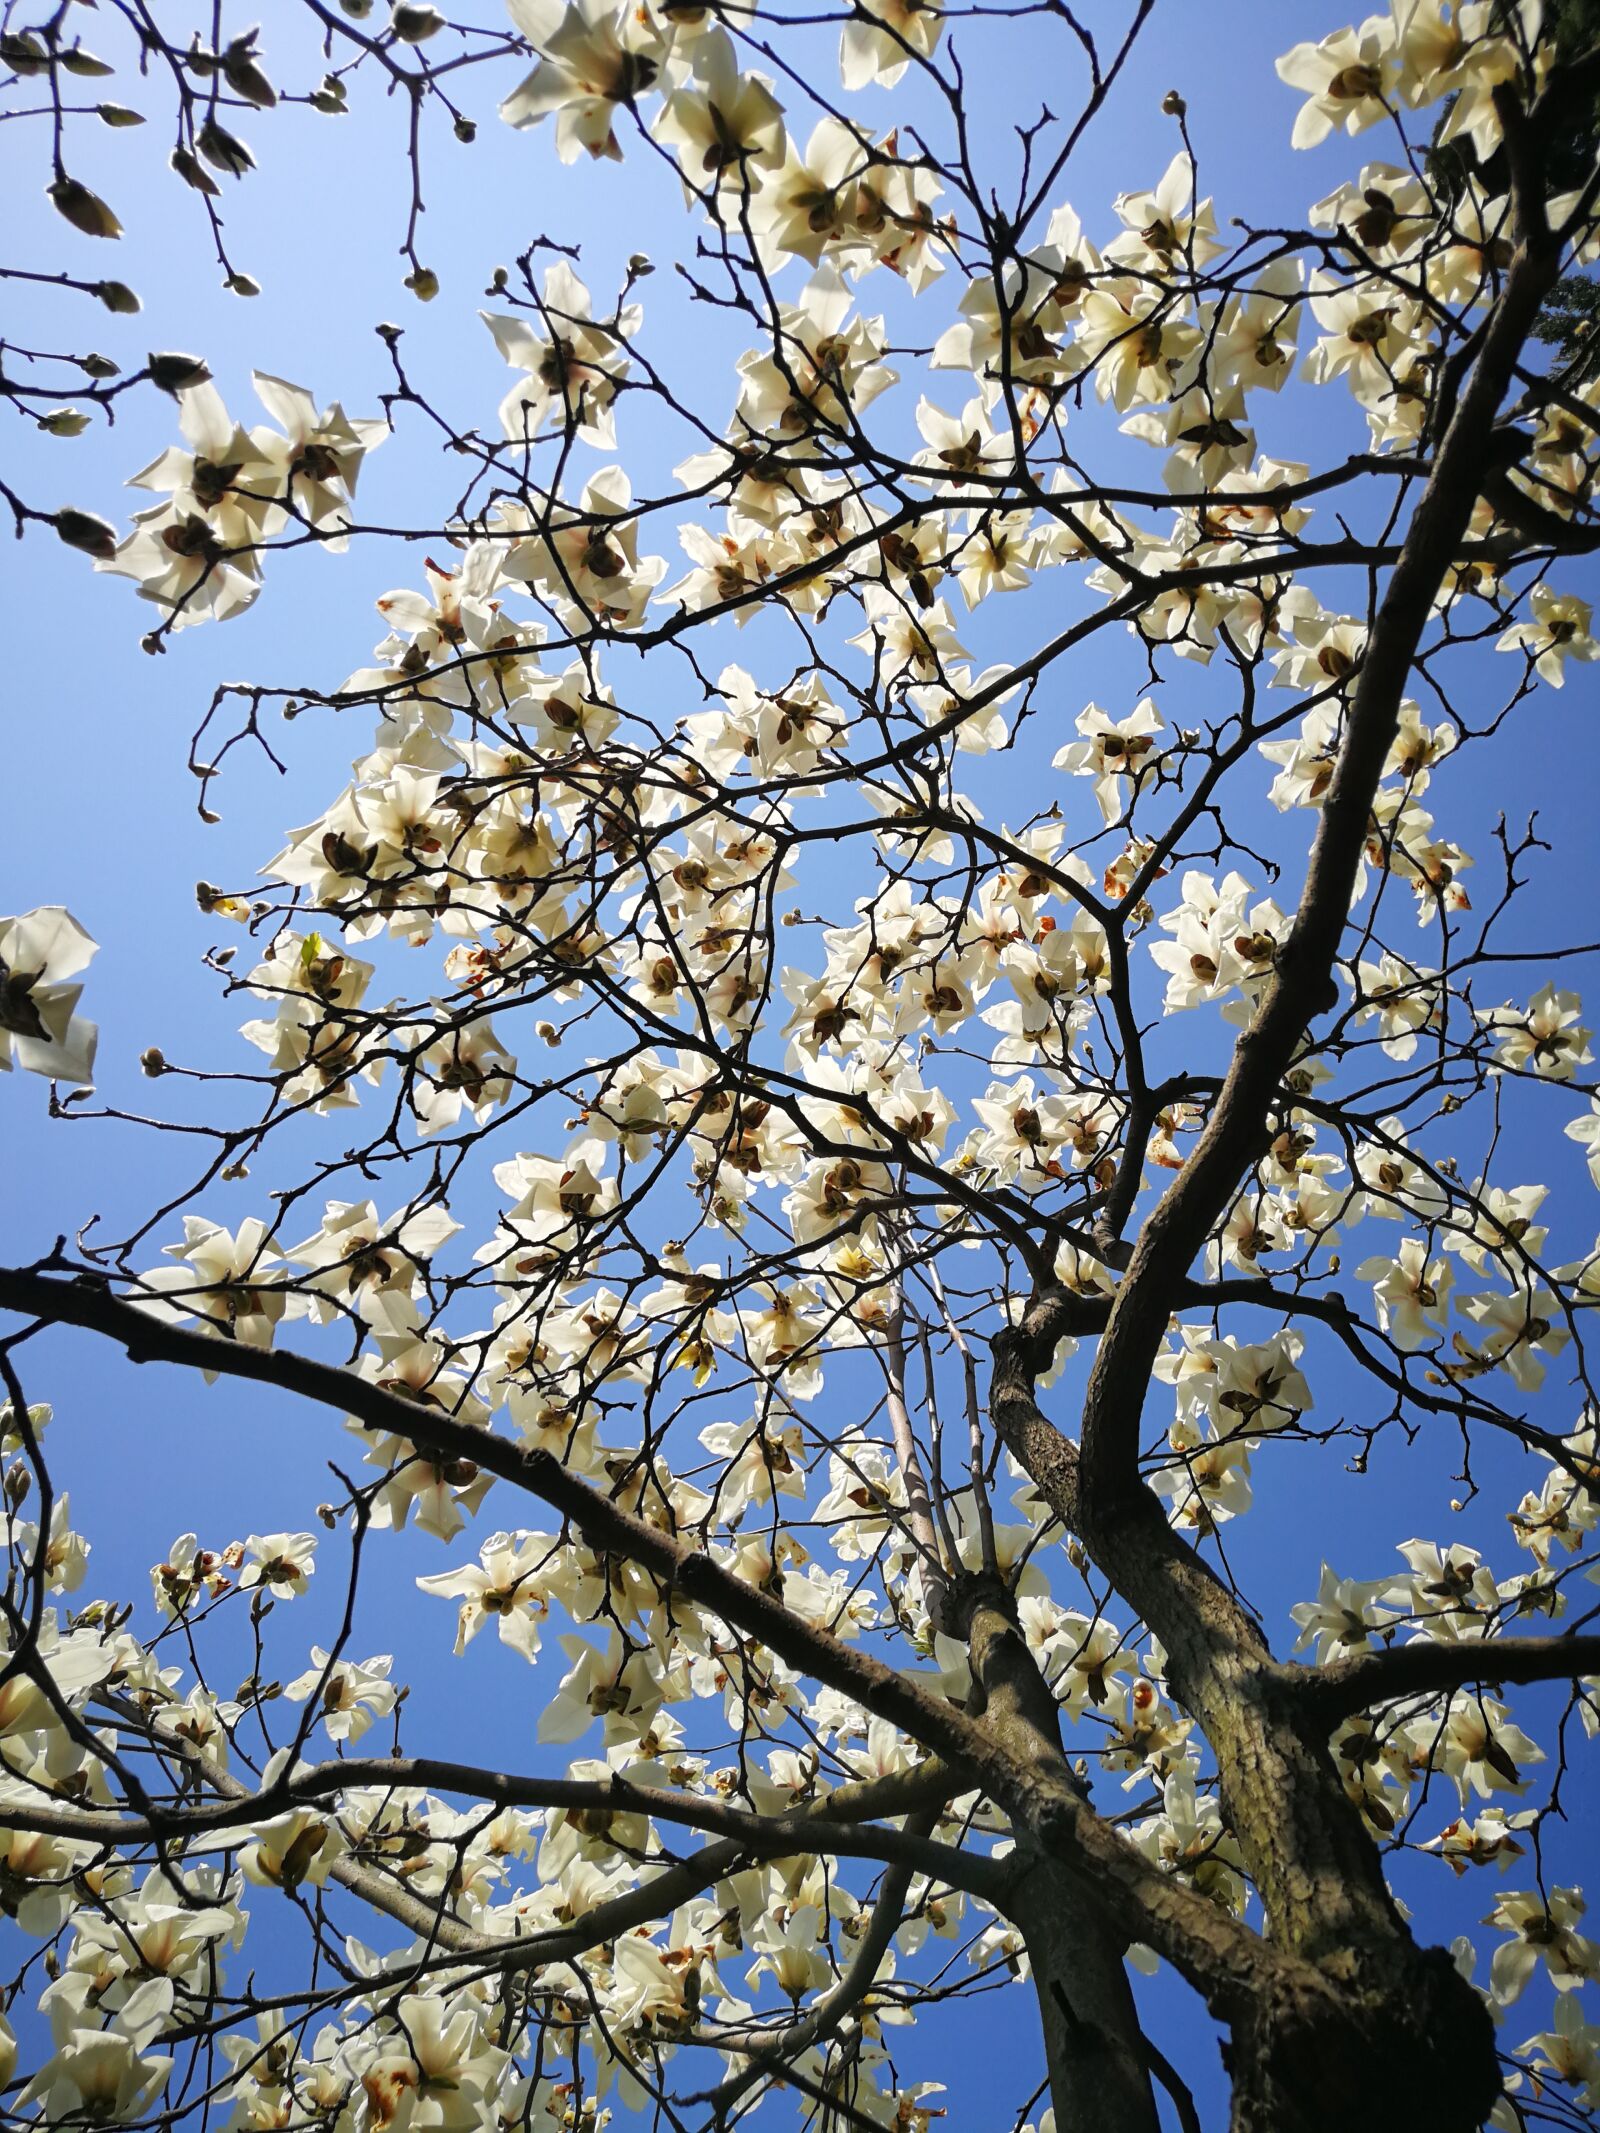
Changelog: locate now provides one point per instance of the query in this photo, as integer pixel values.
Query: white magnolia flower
(349, 1696)
(1557, 630)
(1543, 1038)
(867, 53)
(572, 364)
(282, 1562)
(108, 2076)
(1342, 1617)
(726, 127)
(510, 1586)
(40, 1029)
(1348, 80)
(1542, 1933)
(234, 1280)
(1586, 1132)
(1570, 2050)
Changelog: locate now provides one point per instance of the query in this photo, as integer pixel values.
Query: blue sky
(102, 818)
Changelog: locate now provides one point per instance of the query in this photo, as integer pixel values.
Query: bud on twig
(192, 172)
(244, 77)
(174, 372)
(85, 210)
(224, 150)
(81, 529)
(414, 24)
(24, 54)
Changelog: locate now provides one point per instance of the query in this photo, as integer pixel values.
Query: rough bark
(1094, 2050)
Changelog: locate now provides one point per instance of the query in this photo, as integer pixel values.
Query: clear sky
(100, 812)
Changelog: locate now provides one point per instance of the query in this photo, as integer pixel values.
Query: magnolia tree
(820, 1185)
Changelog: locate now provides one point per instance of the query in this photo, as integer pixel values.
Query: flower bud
(117, 296)
(423, 284)
(85, 210)
(24, 54)
(153, 1061)
(224, 150)
(82, 530)
(414, 24)
(244, 77)
(192, 172)
(174, 372)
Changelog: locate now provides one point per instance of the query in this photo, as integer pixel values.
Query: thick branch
(1428, 1668)
(603, 1523)
(1302, 986)
(812, 1829)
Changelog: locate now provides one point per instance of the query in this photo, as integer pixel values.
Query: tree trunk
(1419, 2054)
(1095, 2052)
(1094, 2049)
(1352, 2013)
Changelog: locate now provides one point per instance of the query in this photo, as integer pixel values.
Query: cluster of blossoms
(140, 1954)
(150, 1949)
(1415, 54)
(228, 491)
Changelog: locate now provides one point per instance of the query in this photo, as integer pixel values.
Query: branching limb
(1435, 1668)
